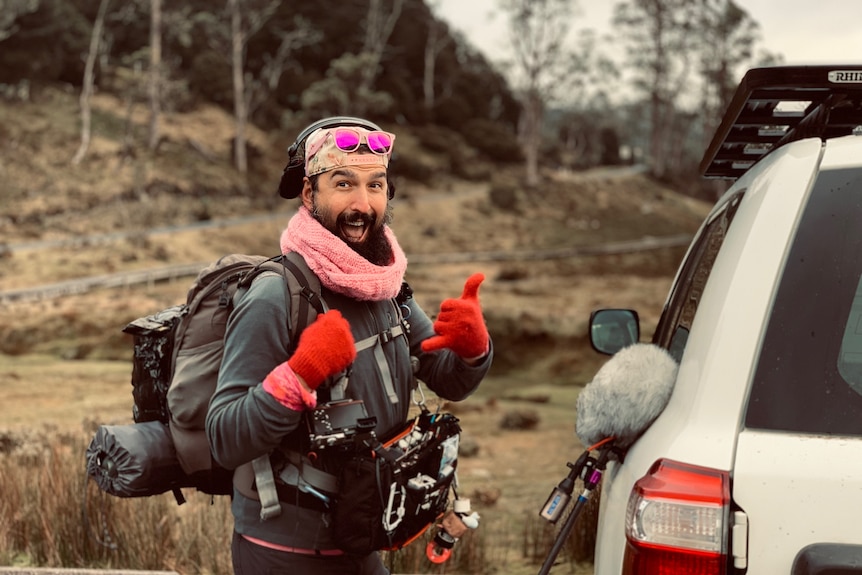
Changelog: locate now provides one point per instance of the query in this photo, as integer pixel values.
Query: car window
(808, 377)
(850, 354)
(676, 319)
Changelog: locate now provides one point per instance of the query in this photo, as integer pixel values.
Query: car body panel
(796, 490)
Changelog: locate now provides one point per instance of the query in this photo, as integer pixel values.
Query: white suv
(755, 465)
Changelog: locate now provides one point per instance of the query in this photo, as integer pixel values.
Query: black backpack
(177, 354)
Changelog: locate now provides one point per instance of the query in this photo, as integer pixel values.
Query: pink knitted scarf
(339, 268)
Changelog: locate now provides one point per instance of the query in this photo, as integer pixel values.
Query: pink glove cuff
(283, 384)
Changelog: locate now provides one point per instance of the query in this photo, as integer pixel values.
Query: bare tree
(588, 112)
(728, 38)
(258, 89)
(237, 52)
(247, 17)
(155, 80)
(348, 87)
(379, 24)
(337, 93)
(438, 38)
(538, 30)
(89, 80)
(662, 36)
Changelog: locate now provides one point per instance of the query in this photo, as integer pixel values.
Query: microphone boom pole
(624, 398)
(591, 470)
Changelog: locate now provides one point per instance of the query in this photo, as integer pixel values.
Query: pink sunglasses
(349, 140)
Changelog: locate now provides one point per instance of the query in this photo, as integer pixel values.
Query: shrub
(412, 168)
(494, 140)
(440, 139)
(504, 194)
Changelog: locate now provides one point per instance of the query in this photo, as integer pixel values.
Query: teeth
(354, 231)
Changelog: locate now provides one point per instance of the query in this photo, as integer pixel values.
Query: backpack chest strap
(374, 342)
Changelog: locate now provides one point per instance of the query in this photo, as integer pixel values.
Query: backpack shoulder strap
(305, 299)
(302, 296)
(303, 302)
(306, 304)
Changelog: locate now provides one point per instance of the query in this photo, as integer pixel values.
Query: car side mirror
(613, 329)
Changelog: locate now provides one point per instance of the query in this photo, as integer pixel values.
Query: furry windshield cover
(626, 395)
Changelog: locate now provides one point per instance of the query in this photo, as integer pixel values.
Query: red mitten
(460, 325)
(325, 348)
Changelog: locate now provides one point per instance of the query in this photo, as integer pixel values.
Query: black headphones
(290, 185)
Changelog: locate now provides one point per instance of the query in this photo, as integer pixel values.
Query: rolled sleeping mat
(135, 460)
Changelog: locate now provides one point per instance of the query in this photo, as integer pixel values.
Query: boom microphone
(626, 395)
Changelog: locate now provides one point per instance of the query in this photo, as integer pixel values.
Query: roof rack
(777, 105)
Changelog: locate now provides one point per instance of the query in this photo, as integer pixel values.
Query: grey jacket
(244, 421)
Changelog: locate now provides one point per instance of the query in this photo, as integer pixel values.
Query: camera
(339, 423)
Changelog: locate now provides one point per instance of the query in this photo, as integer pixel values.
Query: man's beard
(375, 248)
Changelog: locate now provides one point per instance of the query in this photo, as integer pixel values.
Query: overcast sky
(803, 31)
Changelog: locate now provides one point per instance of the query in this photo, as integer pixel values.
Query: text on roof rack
(845, 76)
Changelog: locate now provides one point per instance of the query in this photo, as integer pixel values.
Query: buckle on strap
(391, 333)
(375, 342)
(301, 484)
(383, 337)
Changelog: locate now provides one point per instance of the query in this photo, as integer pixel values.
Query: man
(339, 167)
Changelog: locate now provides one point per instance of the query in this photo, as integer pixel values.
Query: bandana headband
(330, 148)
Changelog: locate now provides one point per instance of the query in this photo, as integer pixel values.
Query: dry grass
(41, 467)
(53, 516)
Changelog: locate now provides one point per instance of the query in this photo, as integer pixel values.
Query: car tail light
(677, 521)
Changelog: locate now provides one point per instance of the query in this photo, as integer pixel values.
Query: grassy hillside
(121, 188)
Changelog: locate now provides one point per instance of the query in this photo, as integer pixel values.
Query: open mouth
(355, 231)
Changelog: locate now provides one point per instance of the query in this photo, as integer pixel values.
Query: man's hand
(325, 348)
(460, 325)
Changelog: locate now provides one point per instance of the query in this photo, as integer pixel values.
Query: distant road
(100, 239)
(151, 276)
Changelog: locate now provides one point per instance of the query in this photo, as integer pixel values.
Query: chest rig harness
(289, 474)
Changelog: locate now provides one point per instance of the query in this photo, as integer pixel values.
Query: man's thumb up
(460, 325)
